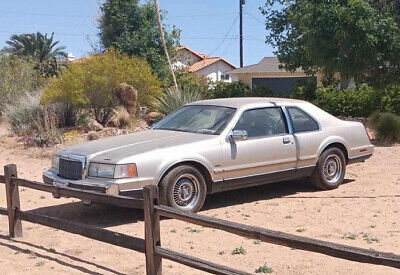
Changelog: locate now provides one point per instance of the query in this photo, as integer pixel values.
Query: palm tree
(40, 48)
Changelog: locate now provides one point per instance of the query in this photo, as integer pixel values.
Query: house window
(224, 76)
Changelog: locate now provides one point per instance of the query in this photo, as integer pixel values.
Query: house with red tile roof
(214, 68)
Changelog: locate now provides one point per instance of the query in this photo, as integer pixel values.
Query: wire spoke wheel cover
(186, 191)
(332, 169)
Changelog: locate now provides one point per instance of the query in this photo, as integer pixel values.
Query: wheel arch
(200, 166)
(338, 145)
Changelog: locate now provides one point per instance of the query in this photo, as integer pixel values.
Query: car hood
(113, 149)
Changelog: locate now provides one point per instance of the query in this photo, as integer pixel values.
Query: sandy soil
(364, 212)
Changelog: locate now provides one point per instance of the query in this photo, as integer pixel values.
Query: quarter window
(302, 122)
(262, 122)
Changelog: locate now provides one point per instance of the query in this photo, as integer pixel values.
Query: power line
(202, 15)
(56, 33)
(46, 14)
(89, 16)
(223, 40)
(254, 17)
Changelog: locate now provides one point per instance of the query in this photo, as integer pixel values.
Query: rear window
(302, 122)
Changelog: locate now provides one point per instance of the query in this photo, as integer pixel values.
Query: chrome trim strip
(262, 174)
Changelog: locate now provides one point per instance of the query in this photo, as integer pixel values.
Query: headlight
(55, 162)
(101, 170)
(112, 171)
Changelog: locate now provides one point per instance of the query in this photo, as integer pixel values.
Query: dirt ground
(363, 212)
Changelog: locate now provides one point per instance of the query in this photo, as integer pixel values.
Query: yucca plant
(173, 99)
(386, 126)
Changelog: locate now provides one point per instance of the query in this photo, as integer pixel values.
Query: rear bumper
(359, 158)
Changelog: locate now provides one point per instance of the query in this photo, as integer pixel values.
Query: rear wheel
(330, 170)
(183, 188)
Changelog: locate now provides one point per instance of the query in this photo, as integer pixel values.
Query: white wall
(214, 71)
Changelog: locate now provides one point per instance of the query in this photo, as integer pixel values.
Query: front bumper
(101, 185)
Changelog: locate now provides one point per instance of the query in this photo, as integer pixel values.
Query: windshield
(202, 119)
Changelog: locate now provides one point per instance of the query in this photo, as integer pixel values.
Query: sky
(208, 26)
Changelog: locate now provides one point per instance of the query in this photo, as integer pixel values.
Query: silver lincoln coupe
(217, 145)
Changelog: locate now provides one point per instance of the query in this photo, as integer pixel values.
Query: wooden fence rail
(275, 237)
(151, 245)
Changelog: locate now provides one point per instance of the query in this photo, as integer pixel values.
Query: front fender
(166, 166)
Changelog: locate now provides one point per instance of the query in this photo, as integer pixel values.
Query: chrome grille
(70, 169)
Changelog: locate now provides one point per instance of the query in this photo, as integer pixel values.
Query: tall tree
(39, 48)
(345, 36)
(132, 28)
(391, 7)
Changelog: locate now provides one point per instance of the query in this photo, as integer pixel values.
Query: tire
(330, 170)
(183, 188)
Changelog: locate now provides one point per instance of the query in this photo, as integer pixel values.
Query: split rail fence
(153, 211)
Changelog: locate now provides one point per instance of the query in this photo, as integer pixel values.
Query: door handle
(286, 140)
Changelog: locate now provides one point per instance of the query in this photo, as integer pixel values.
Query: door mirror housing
(237, 135)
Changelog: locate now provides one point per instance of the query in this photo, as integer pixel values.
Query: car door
(268, 154)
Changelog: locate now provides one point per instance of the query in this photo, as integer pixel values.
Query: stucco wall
(214, 71)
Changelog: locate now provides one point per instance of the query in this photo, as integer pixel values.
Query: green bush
(390, 101)
(17, 77)
(226, 89)
(261, 91)
(386, 126)
(359, 102)
(171, 99)
(89, 83)
(305, 89)
(187, 81)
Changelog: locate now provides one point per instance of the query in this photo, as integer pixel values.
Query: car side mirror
(237, 135)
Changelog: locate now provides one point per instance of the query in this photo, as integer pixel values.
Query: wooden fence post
(12, 194)
(152, 230)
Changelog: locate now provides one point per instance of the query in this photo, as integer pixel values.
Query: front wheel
(330, 170)
(183, 188)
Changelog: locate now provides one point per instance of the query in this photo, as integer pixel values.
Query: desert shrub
(121, 118)
(25, 114)
(69, 115)
(172, 99)
(390, 101)
(17, 77)
(359, 102)
(43, 138)
(89, 83)
(386, 126)
(226, 89)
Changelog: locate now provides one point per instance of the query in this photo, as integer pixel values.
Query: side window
(302, 122)
(262, 122)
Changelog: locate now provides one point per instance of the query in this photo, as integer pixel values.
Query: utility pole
(161, 31)
(241, 3)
